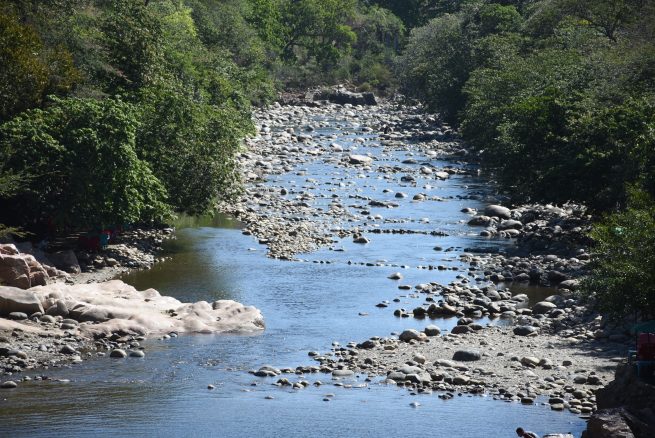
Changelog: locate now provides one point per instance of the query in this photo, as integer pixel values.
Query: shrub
(84, 169)
(622, 275)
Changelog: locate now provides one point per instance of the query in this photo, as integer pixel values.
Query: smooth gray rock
(67, 349)
(525, 330)
(543, 307)
(409, 335)
(343, 373)
(461, 330)
(360, 159)
(467, 355)
(432, 330)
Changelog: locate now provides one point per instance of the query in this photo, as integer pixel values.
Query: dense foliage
(82, 153)
(563, 90)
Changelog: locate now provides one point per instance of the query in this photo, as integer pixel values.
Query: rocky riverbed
(292, 218)
(555, 349)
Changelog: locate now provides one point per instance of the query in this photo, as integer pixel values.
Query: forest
(124, 111)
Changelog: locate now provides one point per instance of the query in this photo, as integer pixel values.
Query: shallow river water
(307, 306)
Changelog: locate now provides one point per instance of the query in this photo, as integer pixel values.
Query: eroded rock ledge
(45, 325)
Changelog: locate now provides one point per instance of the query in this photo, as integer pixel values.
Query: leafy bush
(622, 277)
(83, 164)
(190, 146)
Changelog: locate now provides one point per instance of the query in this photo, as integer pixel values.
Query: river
(325, 297)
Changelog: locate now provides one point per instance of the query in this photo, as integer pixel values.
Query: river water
(327, 296)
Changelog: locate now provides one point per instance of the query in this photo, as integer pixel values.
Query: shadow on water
(217, 220)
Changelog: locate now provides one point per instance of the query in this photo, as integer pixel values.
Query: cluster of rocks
(551, 244)
(132, 249)
(23, 270)
(24, 265)
(300, 382)
(341, 96)
(43, 342)
(539, 228)
(559, 313)
(491, 361)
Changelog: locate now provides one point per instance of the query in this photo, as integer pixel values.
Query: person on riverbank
(524, 434)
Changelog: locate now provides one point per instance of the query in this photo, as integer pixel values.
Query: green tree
(319, 28)
(435, 65)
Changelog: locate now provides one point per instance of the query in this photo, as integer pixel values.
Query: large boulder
(20, 270)
(13, 299)
(625, 407)
(14, 271)
(609, 423)
(66, 261)
(118, 307)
